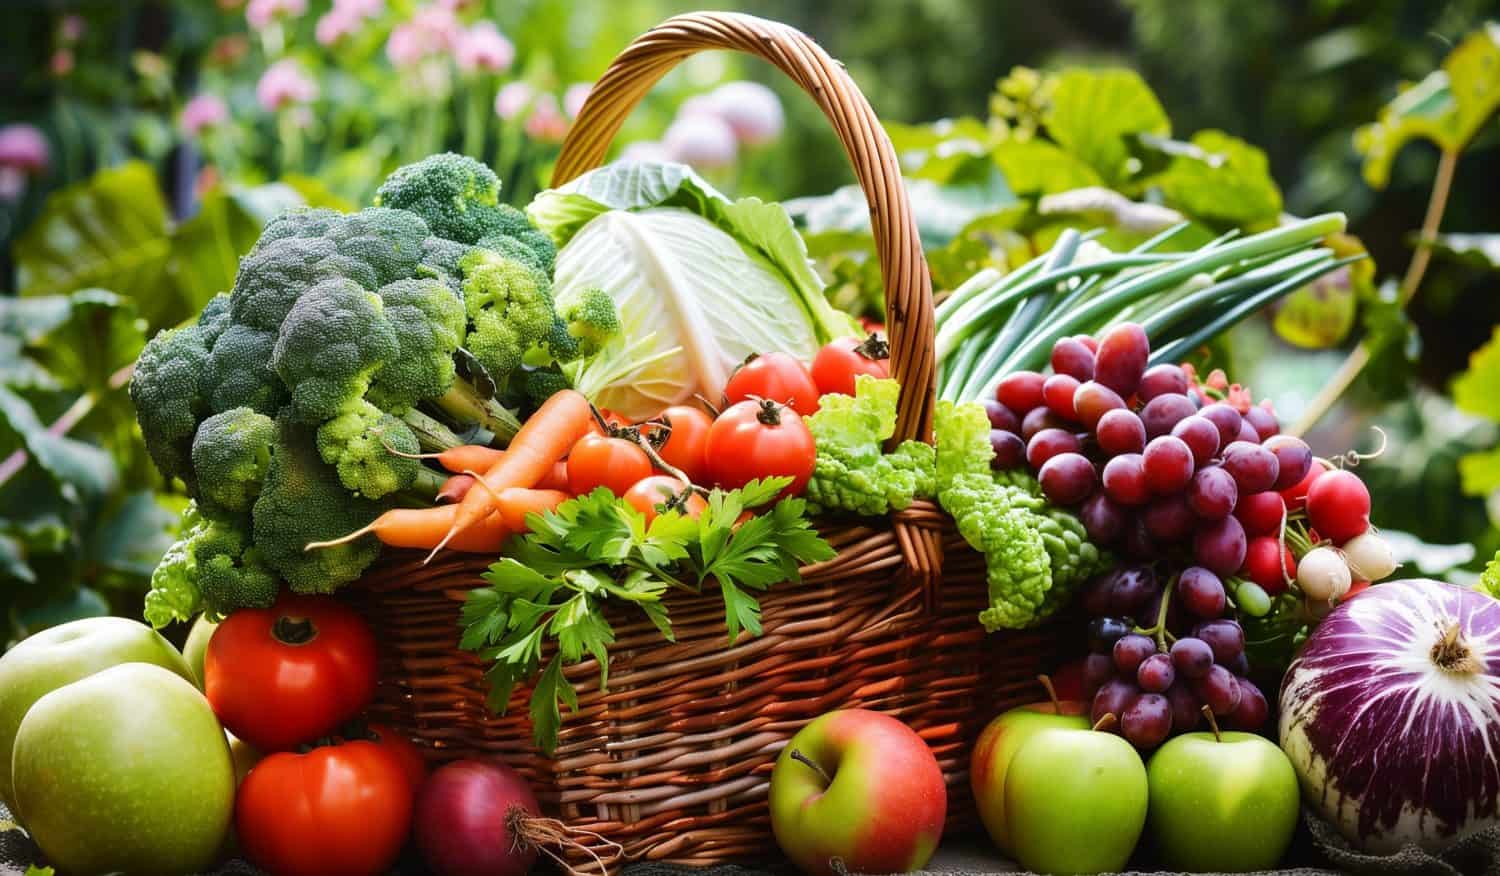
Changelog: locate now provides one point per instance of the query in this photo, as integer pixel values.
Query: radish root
(531, 831)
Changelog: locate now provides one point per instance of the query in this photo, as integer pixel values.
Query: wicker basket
(673, 762)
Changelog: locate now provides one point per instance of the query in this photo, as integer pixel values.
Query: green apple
(1226, 804)
(126, 770)
(860, 787)
(998, 744)
(1075, 801)
(64, 654)
(197, 645)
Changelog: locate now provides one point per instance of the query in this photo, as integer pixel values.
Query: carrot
(454, 489)
(425, 527)
(461, 458)
(543, 440)
(516, 502)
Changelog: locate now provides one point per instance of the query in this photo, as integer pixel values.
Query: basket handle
(908, 287)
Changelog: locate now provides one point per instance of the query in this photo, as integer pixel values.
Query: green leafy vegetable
(548, 594)
(852, 473)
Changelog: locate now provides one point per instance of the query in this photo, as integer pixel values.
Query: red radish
(480, 818)
(1338, 505)
(1261, 513)
(1295, 496)
(1270, 564)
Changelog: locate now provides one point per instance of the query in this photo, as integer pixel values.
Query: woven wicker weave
(673, 762)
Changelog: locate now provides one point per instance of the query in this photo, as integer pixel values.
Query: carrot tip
(404, 455)
(479, 481)
(319, 545)
(440, 545)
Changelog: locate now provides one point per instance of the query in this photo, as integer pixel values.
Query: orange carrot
(516, 502)
(461, 458)
(425, 527)
(543, 440)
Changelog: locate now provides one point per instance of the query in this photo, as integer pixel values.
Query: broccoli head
(166, 389)
(440, 258)
(543, 383)
(527, 245)
(510, 306)
(592, 319)
(230, 454)
(457, 196)
(358, 443)
(333, 341)
(298, 222)
(231, 573)
(302, 501)
(273, 277)
(377, 246)
(239, 375)
(174, 594)
(429, 323)
(214, 319)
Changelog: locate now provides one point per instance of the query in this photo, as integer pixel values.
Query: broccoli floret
(214, 319)
(510, 306)
(302, 501)
(543, 383)
(377, 246)
(239, 372)
(526, 244)
(356, 443)
(174, 594)
(231, 573)
(166, 389)
(273, 277)
(333, 341)
(440, 258)
(593, 319)
(230, 455)
(298, 222)
(429, 324)
(458, 197)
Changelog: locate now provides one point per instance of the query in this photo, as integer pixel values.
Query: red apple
(998, 744)
(861, 787)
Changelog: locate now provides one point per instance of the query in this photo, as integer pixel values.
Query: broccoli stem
(432, 435)
(426, 484)
(464, 404)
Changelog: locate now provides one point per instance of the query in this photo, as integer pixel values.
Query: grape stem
(1159, 630)
(1212, 723)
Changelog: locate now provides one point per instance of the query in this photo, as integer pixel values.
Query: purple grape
(1248, 433)
(1220, 546)
(1164, 412)
(1155, 673)
(1070, 356)
(1192, 658)
(1120, 431)
(1067, 478)
(1147, 721)
(1253, 467)
(1168, 463)
(1130, 651)
(1133, 586)
(1102, 519)
(1048, 443)
(1200, 435)
(1001, 417)
(1252, 710)
(1104, 632)
(1113, 698)
(1161, 380)
(1124, 479)
(1225, 637)
(1121, 360)
(1240, 665)
(1219, 690)
(1262, 421)
(1293, 459)
(1225, 418)
(1092, 400)
(1021, 391)
(1201, 592)
(1010, 450)
(1097, 669)
(1212, 494)
(1096, 594)
(1169, 519)
(1185, 708)
(1040, 418)
(1138, 542)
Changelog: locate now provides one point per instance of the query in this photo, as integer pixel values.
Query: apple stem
(1212, 724)
(1106, 721)
(798, 756)
(1046, 681)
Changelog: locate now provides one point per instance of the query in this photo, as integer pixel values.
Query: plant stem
(804, 759)
(1437, 202)
(80, 408)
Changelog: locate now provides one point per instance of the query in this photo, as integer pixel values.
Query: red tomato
(338, 810)
(400, 747)
(776, 376)
(610, 418)
(843, 359)
(652, 495)
(284, 675)
(597, 461)
(760, 439)
(686, 447)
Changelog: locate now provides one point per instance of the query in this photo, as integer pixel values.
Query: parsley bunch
(549, 591)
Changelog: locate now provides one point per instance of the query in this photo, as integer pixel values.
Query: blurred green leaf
(82, 471)
(1477, 390)
(1428, 559)
(941, 211)
(1448, 107)
(13, 561)
(1393, 341)
(127, 541)
(99, 334)
(1480, 472)
(1037, 167)
(1322, 313)
(1227, 180)
(1093, 111)
(989, 241)
(1477, 250)
(60, 607)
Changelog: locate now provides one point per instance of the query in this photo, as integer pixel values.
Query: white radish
(1369, 557)
(1323, 575)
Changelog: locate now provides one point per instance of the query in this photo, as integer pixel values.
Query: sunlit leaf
(206, 249)
(1477, 390)
(1322, 313)
(1226, 180)
(1094, 110)
(1034, 167)
(1448, 107)
(941, 211)
(1480, 472)
(1477, 250)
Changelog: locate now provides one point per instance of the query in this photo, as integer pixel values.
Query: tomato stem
(293, 630)
(875, 347)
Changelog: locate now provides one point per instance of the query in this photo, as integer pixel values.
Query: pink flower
(574, 97)
(335, 25)
(701, 140)
(360, 8)
(62, 62)
(484, 47)
(432, 30)
(202, 112)
(73, 28)
(284, 84)
(512, 98)
(12, 184)
(546, 122)
(752, 110)
(24, 148)
(260, 13)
